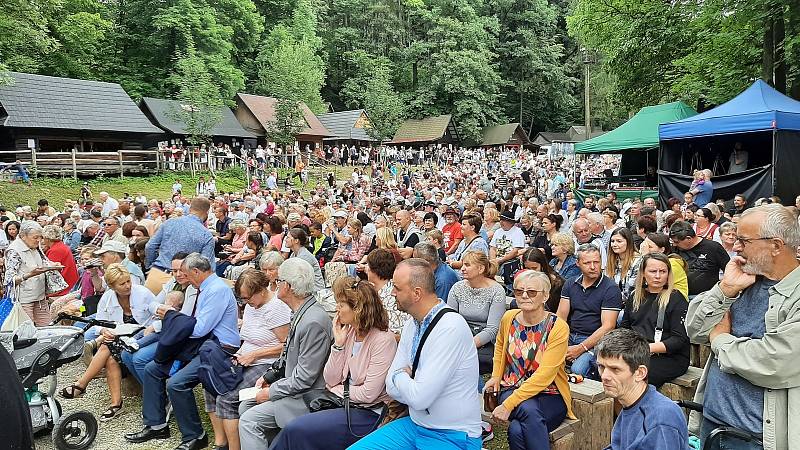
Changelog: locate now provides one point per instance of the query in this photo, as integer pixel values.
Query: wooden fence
(74, 163)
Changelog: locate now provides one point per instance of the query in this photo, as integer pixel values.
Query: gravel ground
(110, 435)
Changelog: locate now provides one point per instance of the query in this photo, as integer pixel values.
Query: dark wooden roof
(263, 109)
(38, 101)
(342, 125)
(161, 111)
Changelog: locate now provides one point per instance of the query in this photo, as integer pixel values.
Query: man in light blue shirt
(216, 316)
(180, 234)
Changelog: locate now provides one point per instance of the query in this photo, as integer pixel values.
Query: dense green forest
(484, 61)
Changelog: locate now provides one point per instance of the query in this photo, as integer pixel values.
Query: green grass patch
(57, 190)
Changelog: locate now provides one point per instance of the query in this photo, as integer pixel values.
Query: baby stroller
(40, 356)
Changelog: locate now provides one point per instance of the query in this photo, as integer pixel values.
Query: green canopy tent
(636, 140)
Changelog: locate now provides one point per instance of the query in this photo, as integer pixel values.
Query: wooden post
(121, 174)
(33, 156)
(74, 165)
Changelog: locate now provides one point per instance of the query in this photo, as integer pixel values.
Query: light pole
(587, 113)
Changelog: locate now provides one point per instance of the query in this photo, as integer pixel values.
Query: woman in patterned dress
(528, 370)
(380, 269)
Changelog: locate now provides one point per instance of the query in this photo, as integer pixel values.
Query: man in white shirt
(109, 203)
(506, 246)
(440, 391)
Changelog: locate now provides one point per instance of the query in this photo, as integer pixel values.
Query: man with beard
(751, 318)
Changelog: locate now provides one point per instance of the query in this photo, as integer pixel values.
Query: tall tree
(199, 98)
(289, 64)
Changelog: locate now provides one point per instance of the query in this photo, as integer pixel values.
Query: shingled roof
(162, 113)
(263, 109)
(428, 129)
(343, 125)
(38, 101)
(504, 134)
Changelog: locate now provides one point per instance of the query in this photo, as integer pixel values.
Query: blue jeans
(586, 364)
(726, 442)
(179, 389)
(532, 420)
(405, 434)
(136, 362)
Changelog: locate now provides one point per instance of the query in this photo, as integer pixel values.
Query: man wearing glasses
(705, 259)
(112, 230)
(751, 318)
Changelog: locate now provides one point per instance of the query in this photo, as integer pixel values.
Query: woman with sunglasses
(655, 296)
(265, 325)
(528, 375)
(362, 352)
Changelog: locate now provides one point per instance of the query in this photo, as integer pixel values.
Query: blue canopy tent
(763, 121)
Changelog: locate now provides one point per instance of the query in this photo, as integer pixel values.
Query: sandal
(110, 413)
(71, 392)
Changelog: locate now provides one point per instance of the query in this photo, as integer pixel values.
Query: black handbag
(485, 352)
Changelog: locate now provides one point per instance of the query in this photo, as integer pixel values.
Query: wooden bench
(595, 411)
(683, 387)
(699, 354)
(563, 437)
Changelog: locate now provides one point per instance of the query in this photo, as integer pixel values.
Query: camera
(275, 372)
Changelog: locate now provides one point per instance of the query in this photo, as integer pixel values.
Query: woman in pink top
(363, 349)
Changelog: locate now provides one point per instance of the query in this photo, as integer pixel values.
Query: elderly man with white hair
(109, 203)
(751, 318)
(282, 398)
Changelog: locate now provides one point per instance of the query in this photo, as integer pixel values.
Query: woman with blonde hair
(491, 223)
(384, 239)
(362, 352)
(656, 302)
(123, 302)
(482, 302)
(563, 247)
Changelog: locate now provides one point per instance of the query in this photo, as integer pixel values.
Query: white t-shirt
(504, 240)
(257, 326)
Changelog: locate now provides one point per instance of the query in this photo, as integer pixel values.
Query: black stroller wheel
(75, 431)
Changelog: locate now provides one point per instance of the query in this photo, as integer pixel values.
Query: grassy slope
(56, 191)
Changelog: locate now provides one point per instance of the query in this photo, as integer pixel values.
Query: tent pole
(774, 143)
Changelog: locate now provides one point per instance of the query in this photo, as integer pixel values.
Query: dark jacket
(175, 342)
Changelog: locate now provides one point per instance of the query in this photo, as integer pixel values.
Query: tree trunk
(414, 70)
(780, 60)
(768, 55)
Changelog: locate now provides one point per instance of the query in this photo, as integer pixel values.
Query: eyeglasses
(281, 281)
(744, 241)
(523, 292)
(109, 224)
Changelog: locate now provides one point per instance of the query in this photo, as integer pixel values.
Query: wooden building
(509, 135)
(347, 127)
(427, 131)
(71, 124)
(163, 114)
(255, 113)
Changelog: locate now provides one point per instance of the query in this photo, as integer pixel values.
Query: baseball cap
(341, 214)
(112, 246)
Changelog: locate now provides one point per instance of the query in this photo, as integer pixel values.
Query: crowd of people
(479, 279)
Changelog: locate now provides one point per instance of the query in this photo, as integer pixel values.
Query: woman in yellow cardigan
(529, 366)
